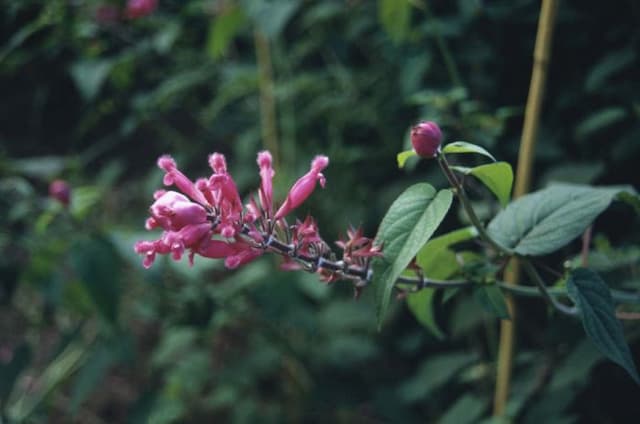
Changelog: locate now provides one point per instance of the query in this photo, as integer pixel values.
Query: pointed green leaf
(90, 75)
(544, 221)
(421, 305)
(409, 223)
(403, 156)
(467, 409)
(425, 255)
(593, 298)
(492, 300)
(436, 260)
(498, 177)
(464, 147)
(225, 26)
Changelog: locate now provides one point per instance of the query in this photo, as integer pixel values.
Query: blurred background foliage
(93, 95)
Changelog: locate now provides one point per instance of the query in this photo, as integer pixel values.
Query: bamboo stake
(522, 182)
(267, 100)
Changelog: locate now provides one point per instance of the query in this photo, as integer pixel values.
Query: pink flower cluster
(207, 218)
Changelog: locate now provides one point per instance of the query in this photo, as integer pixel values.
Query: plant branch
(418, 283)
(468, 208)
(531, 270)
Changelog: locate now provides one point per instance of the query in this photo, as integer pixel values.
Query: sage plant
(208, 218)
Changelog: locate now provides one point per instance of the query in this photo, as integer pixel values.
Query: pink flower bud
(426, 138)
(60, 190)
(140, 8)
(266, 186)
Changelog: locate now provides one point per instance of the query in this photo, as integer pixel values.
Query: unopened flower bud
(426, 138)
(60, 190)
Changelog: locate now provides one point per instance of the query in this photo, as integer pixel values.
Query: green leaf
(10, 371)
(409, 223)
(270, 17)
(464, 147)
(467, 409)
(98, 266)
(55, 374)
(42, 167)
(544, 221)
(492, 300)
(498, 177)
(403, 156)
(90, 375)
(90, 75)
(593, 298)
(611, 64)
(223, 29)
(439, 262)
(600, 120)
(421, 305)
(425, 255)
(395, 16)
(434, 372)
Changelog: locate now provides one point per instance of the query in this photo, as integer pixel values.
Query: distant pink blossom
(60, 191)
(140, 8)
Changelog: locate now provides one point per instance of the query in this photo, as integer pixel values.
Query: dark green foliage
(88, 335)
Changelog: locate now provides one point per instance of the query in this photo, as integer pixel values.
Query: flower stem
(460, 192)
(531, 270)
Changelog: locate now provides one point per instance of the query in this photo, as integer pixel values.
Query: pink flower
(174, 176)
(244, 253)
(173, 211)
(140, 8)
(426, 138)
(222, 184)
(60, 191)
(207, 218)
(303, 188)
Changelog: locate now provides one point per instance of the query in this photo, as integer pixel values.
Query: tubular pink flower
(149, 250)
(244, 254)
(216, 249)
(174, 176)
(222, 183)
(265, 163)
(303, 188)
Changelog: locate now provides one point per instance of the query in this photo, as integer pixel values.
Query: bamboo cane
(522, 182)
